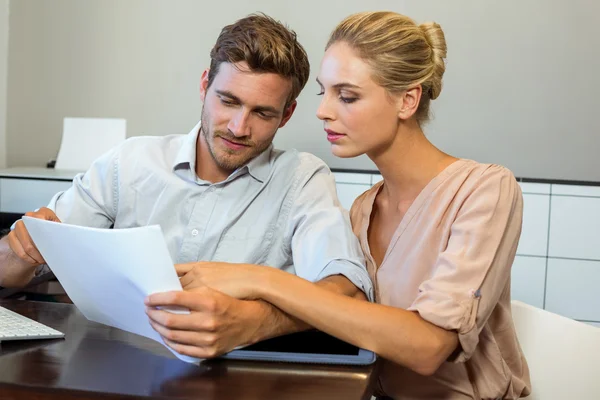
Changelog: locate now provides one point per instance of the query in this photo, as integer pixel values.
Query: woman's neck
(409, 164)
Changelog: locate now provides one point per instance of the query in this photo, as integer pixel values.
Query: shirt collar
(186, 156)
(259, 167)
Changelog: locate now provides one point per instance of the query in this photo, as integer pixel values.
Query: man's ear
(408, 102)
(204, 84)
(287, 113)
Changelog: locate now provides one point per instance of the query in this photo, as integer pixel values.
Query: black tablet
(305, 347)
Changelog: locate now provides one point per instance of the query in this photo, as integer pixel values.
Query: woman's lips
(333, 136)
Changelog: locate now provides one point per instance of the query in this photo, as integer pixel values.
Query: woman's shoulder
(490, 169)
(474, 175)
(484, 187)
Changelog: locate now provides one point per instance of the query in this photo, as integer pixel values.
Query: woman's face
(359, 115)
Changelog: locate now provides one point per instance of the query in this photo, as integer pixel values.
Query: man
(220, 194)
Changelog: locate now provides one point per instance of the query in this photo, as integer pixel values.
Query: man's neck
(206, 167)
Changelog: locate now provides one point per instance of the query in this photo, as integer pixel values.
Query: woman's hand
(241, 281)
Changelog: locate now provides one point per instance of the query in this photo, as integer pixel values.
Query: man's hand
(236, 280)
(21, 243)
(216, 324)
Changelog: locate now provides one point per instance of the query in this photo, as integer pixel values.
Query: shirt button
(194, 232)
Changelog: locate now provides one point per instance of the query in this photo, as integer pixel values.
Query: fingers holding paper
(216, 324)
(20, 241)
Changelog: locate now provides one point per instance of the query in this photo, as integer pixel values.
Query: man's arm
(324, 248)
(90, 201)
(321, 237)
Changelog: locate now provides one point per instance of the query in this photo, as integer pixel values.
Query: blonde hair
(401, 53)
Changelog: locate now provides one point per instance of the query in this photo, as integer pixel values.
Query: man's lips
(232, 144)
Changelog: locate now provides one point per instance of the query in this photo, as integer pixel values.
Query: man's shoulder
(154, 150)
(164, 144)
(297, 161)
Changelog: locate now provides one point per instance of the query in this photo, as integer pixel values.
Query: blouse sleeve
(473, 270)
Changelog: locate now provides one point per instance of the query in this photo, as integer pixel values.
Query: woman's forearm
(396, 334)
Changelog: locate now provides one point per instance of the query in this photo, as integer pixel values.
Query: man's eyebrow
(268, 109)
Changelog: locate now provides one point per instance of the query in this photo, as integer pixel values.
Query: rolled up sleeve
(322, 240)
(473, 270)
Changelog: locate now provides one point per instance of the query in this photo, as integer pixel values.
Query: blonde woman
(439, 233)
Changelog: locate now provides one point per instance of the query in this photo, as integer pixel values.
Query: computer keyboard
(14, 326)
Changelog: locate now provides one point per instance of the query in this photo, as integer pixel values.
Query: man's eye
(264, 116)
(227, 102)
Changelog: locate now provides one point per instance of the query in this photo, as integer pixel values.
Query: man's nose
(239, 125)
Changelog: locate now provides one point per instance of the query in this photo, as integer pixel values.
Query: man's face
(242, 112)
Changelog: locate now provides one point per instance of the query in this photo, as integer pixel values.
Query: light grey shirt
(279, 210)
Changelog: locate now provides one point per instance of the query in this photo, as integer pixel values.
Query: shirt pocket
(240, 245)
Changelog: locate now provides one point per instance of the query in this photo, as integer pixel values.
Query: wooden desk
(95, 361)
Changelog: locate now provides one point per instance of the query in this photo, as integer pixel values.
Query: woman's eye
(348, 100)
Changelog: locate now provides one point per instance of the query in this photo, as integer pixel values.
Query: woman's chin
(344, 151)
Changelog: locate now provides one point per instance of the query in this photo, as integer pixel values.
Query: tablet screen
(313, 342)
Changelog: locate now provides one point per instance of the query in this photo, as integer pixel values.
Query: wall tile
(527, 280)
(575, 227)
(572, 288)
(534, 236)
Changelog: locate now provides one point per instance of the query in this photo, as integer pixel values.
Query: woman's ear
(408, 102)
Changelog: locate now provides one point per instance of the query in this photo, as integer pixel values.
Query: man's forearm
(274, 322)
(14, 272)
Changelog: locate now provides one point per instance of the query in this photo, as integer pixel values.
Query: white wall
(520, 88)
(3, 77)
(140, 60)
(521, 85)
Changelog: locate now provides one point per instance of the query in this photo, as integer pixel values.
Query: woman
(439, 233)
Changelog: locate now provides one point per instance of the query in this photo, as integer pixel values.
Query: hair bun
(437, 41)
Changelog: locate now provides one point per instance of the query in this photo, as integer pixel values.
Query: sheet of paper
(107, 273)
(86, 139)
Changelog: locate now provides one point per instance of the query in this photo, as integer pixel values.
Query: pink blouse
(450, 260)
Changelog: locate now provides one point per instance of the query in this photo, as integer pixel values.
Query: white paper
(86, 139)
(108, 273)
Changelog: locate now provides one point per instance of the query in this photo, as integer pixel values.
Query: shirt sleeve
(93, 198)
(474, 269)
(322, 240)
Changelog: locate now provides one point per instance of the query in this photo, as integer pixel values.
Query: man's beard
(229, 159)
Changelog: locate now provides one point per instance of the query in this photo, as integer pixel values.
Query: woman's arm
(396, 334)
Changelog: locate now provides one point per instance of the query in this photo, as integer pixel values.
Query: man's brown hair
(266, 45)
